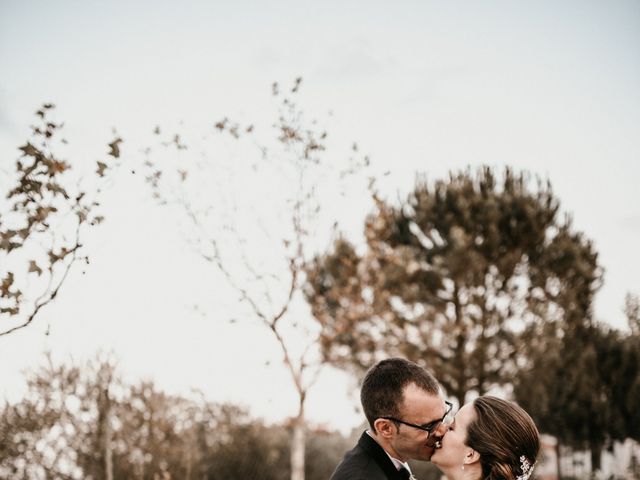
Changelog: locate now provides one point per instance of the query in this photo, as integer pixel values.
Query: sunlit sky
(550, 87)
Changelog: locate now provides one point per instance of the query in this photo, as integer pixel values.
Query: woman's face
(454, 448)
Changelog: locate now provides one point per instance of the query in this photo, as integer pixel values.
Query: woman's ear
(385, 428)
(471, 456)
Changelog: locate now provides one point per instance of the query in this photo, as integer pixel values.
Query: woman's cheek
(449, 439)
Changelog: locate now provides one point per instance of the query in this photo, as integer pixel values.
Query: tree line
(83, 421)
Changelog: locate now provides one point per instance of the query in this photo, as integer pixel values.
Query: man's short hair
(382, 388)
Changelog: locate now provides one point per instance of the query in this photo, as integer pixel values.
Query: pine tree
(451, 276)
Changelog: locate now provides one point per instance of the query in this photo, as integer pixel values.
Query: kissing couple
(488, 438)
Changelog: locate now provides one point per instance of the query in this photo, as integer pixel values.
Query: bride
(489, 439)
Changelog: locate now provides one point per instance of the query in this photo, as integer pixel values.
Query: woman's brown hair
(504, 435)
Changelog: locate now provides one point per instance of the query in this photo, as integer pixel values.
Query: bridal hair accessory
(526, 468)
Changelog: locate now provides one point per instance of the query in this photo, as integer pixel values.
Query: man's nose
(442, 429)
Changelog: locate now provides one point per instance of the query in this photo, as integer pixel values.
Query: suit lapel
(379, 456)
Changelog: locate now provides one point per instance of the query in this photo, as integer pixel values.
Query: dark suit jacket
(367, 461)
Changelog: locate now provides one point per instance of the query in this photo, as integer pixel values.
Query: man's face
(420, 408)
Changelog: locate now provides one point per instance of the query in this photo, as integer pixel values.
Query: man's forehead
(417, 401)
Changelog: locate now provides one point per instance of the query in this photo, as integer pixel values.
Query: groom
(407, 416)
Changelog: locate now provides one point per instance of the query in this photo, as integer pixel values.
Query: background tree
(451, 276)
(230, 193)
(632, 312)
(59, 430)
(41, 224)
(583, 387)
(626, 378)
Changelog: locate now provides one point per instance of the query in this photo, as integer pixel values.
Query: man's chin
(428, 453)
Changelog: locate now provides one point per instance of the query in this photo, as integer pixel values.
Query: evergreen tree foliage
(451, 276)
(584, 388)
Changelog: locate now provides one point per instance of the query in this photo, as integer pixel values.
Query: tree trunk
(558, 460)
(104, 415)
(108, 452)
(596, 453)
(459, 354)
(298, 443)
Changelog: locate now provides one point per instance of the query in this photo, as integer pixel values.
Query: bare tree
(254, 210)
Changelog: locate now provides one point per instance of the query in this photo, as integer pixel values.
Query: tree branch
(49, 294)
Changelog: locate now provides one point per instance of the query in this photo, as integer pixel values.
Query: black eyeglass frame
(429, 427)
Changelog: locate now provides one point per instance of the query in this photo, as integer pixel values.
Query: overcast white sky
(551, 87)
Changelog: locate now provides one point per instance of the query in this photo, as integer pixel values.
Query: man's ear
(385, 428)
(471, 456)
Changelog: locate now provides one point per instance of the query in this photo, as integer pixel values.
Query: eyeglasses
(447, 419)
